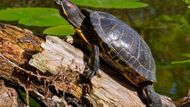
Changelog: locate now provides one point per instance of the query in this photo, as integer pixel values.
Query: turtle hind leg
(92, 67)
(154, 99)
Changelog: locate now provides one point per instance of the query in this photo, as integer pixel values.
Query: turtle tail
(153, 98)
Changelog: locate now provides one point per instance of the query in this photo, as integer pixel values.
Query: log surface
(59, 65)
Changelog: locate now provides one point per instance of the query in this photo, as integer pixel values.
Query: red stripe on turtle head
(70, 5)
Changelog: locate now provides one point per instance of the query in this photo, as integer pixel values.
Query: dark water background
(165, 26)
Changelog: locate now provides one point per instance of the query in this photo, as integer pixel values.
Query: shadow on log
(51, 72)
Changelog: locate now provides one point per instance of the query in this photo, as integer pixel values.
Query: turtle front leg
(154, 99)
(93, 65)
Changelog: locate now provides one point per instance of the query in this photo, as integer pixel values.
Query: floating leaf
(181, 62)
(61, 30)
(33, 16)
(10, 14)
(117, 4)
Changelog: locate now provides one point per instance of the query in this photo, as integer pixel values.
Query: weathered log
(62, 66)
(184, 101)
(8, 96)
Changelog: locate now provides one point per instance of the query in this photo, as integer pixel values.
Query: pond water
(164, 26)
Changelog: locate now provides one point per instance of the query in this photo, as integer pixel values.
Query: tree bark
(48, 69)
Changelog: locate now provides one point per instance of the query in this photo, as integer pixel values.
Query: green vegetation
(183, 61)
(114, 4)
(186, 61)
(34, 17)
(47, 17)
(164, 25)
(167, 31)
(187, 1)
(42, 17)
(60, 30)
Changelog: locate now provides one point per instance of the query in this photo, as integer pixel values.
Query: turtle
(116, 43)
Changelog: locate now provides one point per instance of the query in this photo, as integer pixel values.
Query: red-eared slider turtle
(120, 46)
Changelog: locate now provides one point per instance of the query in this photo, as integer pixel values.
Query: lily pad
(61, 30)
(116, 4)
(33, 16)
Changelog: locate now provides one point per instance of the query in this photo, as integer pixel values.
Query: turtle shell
(123, 47)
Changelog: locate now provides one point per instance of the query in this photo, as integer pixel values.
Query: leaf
(117, 4)
(61, 30)
(10, 14)
(186, 55)
(45, 17)
(187, 1)
(33, 16)
(181, 62)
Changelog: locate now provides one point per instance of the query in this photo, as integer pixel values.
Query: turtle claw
(88, 73)
(154, 99)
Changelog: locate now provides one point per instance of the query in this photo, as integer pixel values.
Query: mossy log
(48, 70)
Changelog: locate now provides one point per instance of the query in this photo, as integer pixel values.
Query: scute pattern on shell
(126, 43)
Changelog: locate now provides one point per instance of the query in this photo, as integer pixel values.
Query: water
(166, 29)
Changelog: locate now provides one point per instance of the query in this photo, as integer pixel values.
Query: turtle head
(70, 12)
